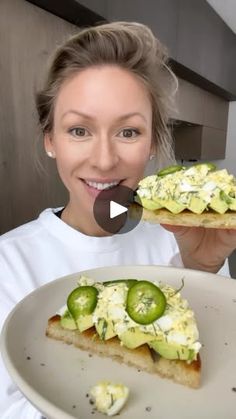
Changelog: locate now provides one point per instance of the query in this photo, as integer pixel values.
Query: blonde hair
(129, 45)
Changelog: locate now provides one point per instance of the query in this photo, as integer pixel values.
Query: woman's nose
(104, 154)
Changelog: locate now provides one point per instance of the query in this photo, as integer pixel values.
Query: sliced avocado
(232, 205)
(231, 202)
(218, 205)
(225, 197)
(67, 321)
(172, 351)
(173, 206)
(150, 204)
(105, 329)
(132, 338)
(84, 322)
(197, 205)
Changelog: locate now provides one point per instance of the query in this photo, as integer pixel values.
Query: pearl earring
(50, 154)
(152, 156)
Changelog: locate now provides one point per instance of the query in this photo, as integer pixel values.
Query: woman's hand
(204, 248)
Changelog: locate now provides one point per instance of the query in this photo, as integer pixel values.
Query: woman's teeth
(101, 186)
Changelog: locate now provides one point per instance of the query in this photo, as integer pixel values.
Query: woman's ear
(48, 145)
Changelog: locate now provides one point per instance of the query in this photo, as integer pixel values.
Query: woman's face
(102, 132)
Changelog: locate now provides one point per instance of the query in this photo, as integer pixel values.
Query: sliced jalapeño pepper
(82, 301)
(128, 282)
(169, 170)
(145, 302)
(210, 166)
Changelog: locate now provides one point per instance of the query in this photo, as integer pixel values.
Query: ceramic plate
(56, 377)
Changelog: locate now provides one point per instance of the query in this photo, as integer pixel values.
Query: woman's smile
(95, 187)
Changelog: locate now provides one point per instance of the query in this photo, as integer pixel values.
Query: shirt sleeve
(224, 270)
(13, 405)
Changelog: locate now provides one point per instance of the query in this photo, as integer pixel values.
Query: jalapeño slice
(128, 282)
(82, 301)
(145, 302)
(169, 170)
(210, 166)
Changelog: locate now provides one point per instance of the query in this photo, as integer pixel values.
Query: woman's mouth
(94, 188)
(101, 186)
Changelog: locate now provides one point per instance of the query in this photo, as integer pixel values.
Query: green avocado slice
(67, 321)
(197, 205)
(218, 205)
(173, 206)
(105, 329)
(150, 204)
(172, 351)
(84, 322)
(232, 204)
(132, 338)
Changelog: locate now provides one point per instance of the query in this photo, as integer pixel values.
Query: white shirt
(47, 248)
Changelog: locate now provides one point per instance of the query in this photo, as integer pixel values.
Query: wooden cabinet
(28, 35)
(199, 142)
(201, 46)
(201, 134)
(201, 39)
(160, 15)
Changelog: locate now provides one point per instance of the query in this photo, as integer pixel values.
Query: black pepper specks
(90, 355)
(234, 389)
(148, 409)
(28, 358)
(91, 401)
(74, 406)
(42, 364)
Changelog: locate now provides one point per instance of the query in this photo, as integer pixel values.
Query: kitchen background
(201, 38)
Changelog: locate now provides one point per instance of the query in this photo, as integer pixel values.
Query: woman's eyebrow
(129, 115)
(120, 118)
(76, 113)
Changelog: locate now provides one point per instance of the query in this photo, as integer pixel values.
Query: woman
(104, 112)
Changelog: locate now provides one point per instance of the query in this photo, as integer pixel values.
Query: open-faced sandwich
(140, 323)
(198, 195)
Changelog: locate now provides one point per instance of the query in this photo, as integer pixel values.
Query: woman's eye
(129, 133)
(79, 132)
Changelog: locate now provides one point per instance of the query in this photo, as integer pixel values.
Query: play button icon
(111, 210)
(116, 209)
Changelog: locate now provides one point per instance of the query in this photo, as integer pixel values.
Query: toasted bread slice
(142, 357)
(209, 219)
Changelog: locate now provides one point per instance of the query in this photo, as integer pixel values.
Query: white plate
(57, 377)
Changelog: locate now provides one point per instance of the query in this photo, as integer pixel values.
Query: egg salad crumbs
(109, 397)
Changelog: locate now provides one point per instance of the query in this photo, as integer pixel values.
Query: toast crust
(142, 357)
(208, 219)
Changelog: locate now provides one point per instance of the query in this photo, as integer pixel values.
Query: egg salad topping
(177, 325)
(137, 312)
(198, 188)
(109, 397)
